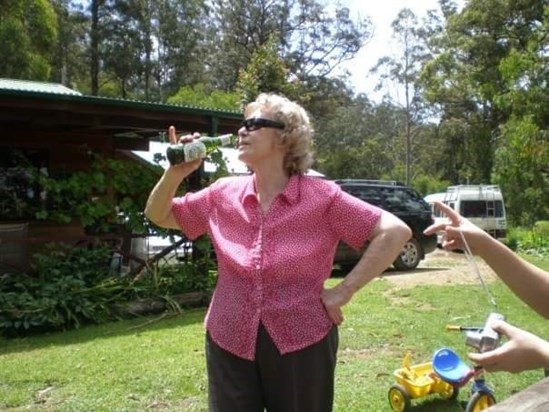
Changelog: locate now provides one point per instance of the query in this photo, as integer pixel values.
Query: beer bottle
(197, 149)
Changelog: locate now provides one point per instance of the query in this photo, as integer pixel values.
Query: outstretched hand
(523, 351)
(452, 238)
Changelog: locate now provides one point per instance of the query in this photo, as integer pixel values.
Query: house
(54, 127)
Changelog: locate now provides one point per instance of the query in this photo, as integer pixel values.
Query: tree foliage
(201, 96)
(311, 39)
(474, 79)
(111, 192)
(522, 168)
(28, 31)
(266, 72)
(489, 78)
(405, 69)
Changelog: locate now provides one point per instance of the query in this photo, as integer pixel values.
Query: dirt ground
(440, 268)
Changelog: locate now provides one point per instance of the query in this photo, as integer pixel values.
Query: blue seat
(449, 367)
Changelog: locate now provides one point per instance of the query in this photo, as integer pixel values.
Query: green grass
(158, 363)
(542, 263)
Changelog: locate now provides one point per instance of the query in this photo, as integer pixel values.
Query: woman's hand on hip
(333, 300)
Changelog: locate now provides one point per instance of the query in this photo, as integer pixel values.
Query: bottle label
(225, 139)
(194, 150)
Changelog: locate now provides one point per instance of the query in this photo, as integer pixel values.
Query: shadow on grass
(124, 327)
(392, 272)
(340, 273)
(435, 404)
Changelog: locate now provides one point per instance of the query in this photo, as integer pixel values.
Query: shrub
(541, 228)
(72, 287)
(69, 288)
(513, 237)
(534, 242)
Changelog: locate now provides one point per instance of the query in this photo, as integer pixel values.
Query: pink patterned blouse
(272, 266)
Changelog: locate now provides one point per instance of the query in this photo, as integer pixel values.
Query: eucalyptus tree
(201, 96)
(311, 38)
(404, 68)
(465, 78)
(69, 61)
(145, 49)
(324, 99)
(267, 72)
(522, 158)
(351, 145)
(124, 42)
(28, 32)
(492, 71)
(79, 58)
(151, 47)
(182, 30)
(354, 136)
(522, 169)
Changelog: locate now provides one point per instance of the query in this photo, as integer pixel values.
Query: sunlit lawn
(157, 363)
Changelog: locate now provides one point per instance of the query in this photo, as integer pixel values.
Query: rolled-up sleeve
(191, 212)
(352, 219)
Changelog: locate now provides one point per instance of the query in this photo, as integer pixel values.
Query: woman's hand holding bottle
(183, 169)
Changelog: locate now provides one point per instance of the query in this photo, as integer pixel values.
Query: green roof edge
(117, 102)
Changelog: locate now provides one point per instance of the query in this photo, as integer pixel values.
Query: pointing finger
(448, 211)
(172, 136)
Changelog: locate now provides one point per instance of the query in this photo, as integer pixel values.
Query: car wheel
(409, 257)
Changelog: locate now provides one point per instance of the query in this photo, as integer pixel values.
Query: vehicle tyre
(409, 257)
(480, 401)
(399, 398)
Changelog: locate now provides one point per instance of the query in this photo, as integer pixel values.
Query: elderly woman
(271, 328)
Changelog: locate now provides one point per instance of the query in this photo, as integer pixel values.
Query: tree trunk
(150, 306)
(94, 48)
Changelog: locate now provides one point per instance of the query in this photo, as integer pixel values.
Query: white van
(481, 204)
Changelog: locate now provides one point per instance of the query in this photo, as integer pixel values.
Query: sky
(382, 15)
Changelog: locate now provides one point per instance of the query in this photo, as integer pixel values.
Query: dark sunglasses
(256, 123)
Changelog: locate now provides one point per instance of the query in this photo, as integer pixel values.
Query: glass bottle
(197, 149)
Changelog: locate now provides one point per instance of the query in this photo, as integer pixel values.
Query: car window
(394, 199)
(408, 200)
(481, 208)
(369, 194)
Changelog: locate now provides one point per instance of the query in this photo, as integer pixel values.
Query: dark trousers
(301, 381)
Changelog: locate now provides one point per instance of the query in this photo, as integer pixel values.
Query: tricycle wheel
(480, 401)
(451, 392)
(399, 398)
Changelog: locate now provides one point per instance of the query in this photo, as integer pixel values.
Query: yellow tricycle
(417, 381)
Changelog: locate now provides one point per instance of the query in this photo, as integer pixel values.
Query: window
(368, 194)
(393, 199)
(20, 195)
(481, 208)
(405, 200)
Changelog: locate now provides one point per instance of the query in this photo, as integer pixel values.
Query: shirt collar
(290, 192)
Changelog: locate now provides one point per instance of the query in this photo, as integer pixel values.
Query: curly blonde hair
(297, 134)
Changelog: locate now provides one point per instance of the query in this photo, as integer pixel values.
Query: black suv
(403, 202)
